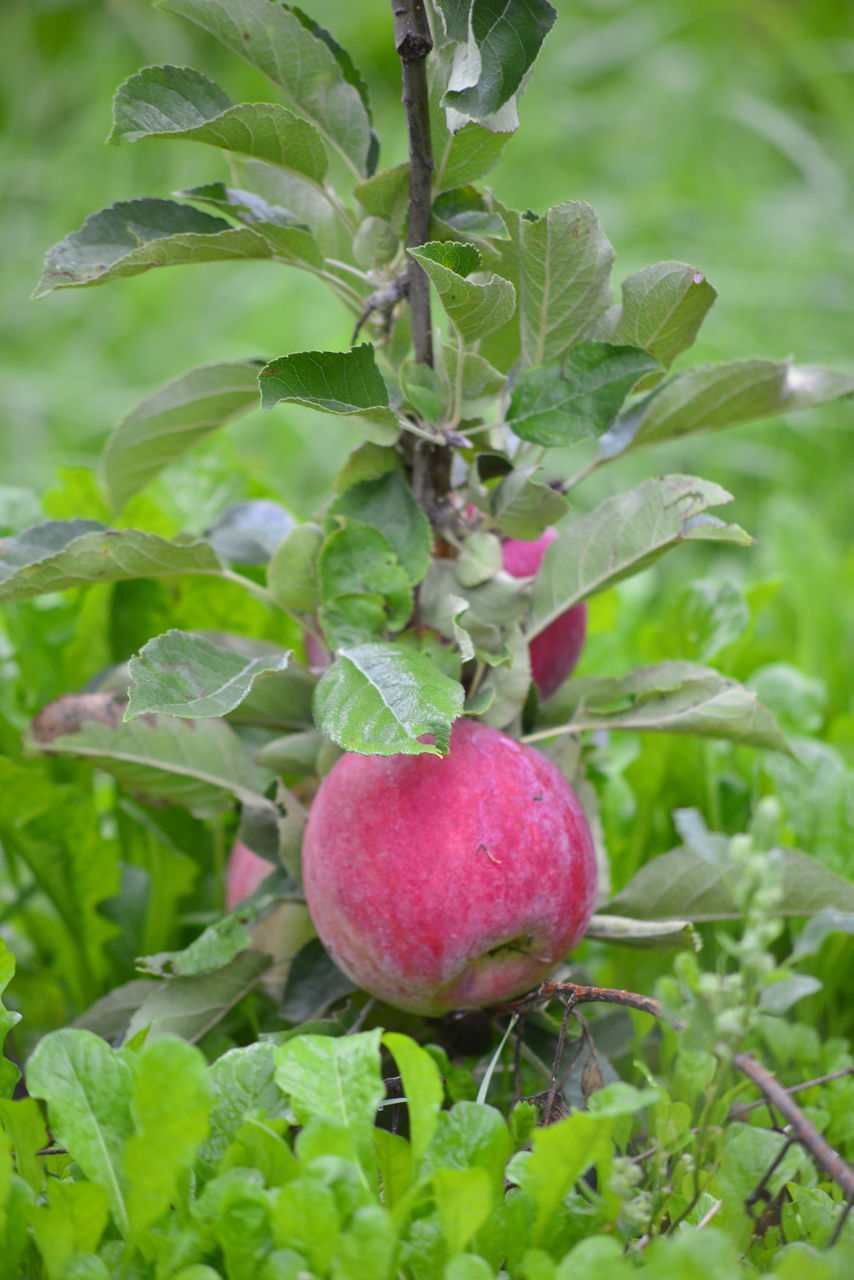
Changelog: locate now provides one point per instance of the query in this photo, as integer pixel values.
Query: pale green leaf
(72, 1221)
(422, 1088)
(623, 535)
(464, 1199)
(466, 156)
(177, 102)
(503, 38)
(624, 931)
(380, 699)
(72, 553)
(163, 426)
(564, 269)
(557, 405)
(299, 57)
(344, 383)
(136, 235)
(661, 311)
(669, 697)
(9, 1073)
(292, 574)
(181, 674)
(244, 1089)
(88, 1088)
(474, 309)
(189, 1007)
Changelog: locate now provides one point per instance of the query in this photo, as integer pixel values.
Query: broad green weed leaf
(22, 1121)
(164, 758)
(621, 537)
(189, 1007)
(88, 1089)
(136, 235)
(464, 1199)
(470, 1135)
(502, 39)
(163, 426)
(180, 674)
(306, 1220)
(345, 383)
(236, 1211)
(670, 697)
(177, 102)
(394, 1162)
(556, 406)
(564, 270)
(422, 1088)
(244, 1089)
(380, 699)
(9, 1073)
(299, 57)
(684, 885)
(387, 504)
(474, 309)
(335, 1079)
(367, 1247)
(466, 155)
(560, 1155)
(72, 553)
(661, 311)
(712, 396)
(73, 1221)
(170, 1104)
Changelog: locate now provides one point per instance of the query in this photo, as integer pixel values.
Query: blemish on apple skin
(538, 797)
(482, 848)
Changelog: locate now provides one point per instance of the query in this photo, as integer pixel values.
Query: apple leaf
(189, 1007)
(281, 701)
(357, 563)
(9, 1073)
(163, 426)
(474, 309)
(250, 532)
(380, 699)
(292, 574)
(314, 982)
(669, 697)
(661, 311)
(500, 41)
(177, 102)
(135, 235)
(684, 885)
(564, 269)
(345, 383)
(466, 156)
(624, 931)
(712, 396)
(87, 1087)
(621, 537)
(314, 73)
(181, 674)
(557, 405)
(387, 504)
(71, 553)
(386, 194)
(163, 758)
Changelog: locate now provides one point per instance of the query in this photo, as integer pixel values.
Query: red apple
(453, 882)
(280, 934)
(556, 650)
(245, 872)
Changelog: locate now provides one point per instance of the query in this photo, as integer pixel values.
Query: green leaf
(464, 1199)
(661, 311)
(561, 1153)
(621, 537)
(189, 1007)
(177, 102)
(292, 574)
(71, 553)
(9, 1073)
(164, 758)
(250, 532)
(340, 382)
(684, 885)
(386, 194)
(503, 38)
(181, 674)
(163, 426)
(379, 699)
(557, 406)
(467, 155)
(830, 920)
(357, 565)
(335, 1079)
(302, 59)
(711, 396)
(88, 1088)
(244, 1089)
(670, 697)
(470, 1135)
(422, 1088)
(135, 235)
(387, 504)
(474, 309)
(314, 982)
(643, 933)
(564, 268)
(72, 1221)
(171, 1101)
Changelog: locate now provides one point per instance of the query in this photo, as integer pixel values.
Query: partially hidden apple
(280, 934)
(453, 882)
(556, 650)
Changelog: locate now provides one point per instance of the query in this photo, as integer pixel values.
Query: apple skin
(453, 882)
(245, 872)
(556, 650)
(280, 934)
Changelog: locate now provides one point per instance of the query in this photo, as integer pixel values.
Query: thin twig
(740, 1109)
(561, 1041)
(575, 994)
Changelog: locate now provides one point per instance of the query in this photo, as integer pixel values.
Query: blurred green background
(704, 130)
